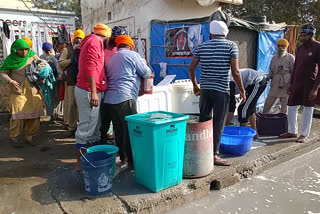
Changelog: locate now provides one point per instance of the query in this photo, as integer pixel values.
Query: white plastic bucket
(183, 99)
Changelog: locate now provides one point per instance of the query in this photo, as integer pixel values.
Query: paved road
(290, 188)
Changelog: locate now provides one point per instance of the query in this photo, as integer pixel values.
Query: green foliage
(66, 5)
(292, 12)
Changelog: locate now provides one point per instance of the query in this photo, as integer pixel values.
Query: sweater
(91, 64)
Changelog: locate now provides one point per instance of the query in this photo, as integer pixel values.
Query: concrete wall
(136, 15)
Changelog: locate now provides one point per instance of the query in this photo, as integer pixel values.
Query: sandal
(288, 135)
(221, 162)
(301, 139)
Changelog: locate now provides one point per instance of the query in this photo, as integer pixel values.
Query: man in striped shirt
(218, 58)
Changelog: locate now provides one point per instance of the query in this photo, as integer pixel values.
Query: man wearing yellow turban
(281, 68)
(78, 36)
(65, 65)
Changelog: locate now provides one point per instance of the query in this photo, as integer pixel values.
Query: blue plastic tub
(109, 149)
(97, 172)
(157, 141)
(236, 140)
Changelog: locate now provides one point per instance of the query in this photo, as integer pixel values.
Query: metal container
(198, 151)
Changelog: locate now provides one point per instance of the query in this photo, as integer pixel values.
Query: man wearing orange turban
(90, 86)
(281, 69)
(126, 40)
(125, 70)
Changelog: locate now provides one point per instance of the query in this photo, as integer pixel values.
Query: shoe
(30, 143)
(70, 134)
(16, 144)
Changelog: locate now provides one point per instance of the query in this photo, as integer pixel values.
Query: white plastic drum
(183, 99)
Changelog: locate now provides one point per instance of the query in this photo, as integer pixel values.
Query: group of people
(101, 76)
(294, 81)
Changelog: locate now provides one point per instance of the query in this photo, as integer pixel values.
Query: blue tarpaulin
(267, 48)
(179, 66)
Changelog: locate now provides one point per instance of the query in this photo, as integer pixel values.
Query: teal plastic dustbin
(157, 141)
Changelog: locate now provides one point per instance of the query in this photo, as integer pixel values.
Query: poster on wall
(180, 42)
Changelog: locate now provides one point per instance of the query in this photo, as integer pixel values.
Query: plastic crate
(157, 141)
(236, 140)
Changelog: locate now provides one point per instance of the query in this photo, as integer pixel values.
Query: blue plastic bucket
(109, 149)
(97, 172)
(236, 140)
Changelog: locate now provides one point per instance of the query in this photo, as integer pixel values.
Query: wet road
(290, 188)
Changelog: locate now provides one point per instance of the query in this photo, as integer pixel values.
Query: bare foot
(220, 162)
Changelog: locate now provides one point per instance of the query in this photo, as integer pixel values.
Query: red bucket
(146, 85)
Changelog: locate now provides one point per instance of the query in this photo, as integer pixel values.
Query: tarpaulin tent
(173, 42)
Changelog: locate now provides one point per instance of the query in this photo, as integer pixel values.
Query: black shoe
(30, 143)
(16, 144)
(70, 134)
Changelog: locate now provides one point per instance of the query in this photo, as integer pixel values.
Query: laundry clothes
(63, 35)
(47, 86)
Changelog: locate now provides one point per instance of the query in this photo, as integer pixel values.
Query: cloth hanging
(20, 34)
(46, 35)
(26, 32)
(5, 40)
(34, 39)
(47, 86)
(6, 30)
(63, 35)
(39, 42)
(12, 34)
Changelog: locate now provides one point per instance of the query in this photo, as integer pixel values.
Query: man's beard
(76, 45)
(281, 52)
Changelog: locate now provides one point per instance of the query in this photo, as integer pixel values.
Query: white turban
(218, 28)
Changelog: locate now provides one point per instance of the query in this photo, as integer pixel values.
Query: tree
(66, 5)
(292, 12)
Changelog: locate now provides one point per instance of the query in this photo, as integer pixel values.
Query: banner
(181, 42)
